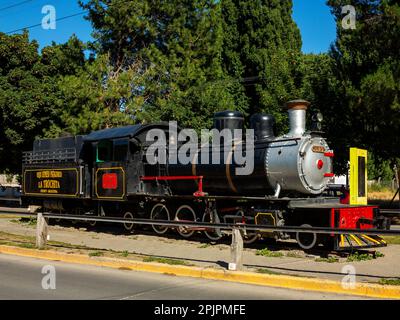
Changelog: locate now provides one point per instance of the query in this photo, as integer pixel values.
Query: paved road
(21, 278)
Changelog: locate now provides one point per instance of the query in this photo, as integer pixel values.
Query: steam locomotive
(109, 173)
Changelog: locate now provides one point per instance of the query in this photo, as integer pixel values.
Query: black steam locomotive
(121, 172)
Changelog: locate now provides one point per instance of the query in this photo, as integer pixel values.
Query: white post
(236, 250)
(41, 231)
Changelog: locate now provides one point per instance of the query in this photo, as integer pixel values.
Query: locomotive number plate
(318, 149)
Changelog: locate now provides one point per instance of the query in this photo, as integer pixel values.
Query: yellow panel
(358, 177)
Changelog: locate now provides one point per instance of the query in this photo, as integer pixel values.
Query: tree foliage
(178, 45)
(366, 70)
(28, 91)
(184, 60)
(262, 45)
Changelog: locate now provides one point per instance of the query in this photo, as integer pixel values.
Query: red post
(200, 193)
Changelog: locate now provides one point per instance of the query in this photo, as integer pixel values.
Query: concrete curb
(280, 281)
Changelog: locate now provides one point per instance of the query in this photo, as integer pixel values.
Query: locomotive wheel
(159, 212)
(306, 240)
(251, 236)
(92, 223)
(185, 213)
(128, 226)
(212, 234)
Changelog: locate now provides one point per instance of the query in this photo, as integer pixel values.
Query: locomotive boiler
(108, 173)
(297, 163)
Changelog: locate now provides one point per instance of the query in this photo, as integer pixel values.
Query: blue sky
(316, 24)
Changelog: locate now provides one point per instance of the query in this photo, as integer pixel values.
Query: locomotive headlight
(317, 119)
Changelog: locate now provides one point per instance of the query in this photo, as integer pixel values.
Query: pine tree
(178, 44)
(262, 45)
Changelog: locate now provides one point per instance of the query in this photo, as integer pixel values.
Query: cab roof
(122, 132)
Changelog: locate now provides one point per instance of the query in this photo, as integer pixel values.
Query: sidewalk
(201, 253)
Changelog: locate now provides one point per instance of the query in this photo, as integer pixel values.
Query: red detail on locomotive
(110, 181)
(345, 197)
(199, 193)
(329, 175)
(320, 164)
(353, 217)
(329, 154)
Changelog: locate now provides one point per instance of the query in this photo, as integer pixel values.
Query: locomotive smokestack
(297, 116)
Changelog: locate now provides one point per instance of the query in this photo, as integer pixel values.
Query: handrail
(55, 155)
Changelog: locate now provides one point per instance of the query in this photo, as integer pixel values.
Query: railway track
(390, 211)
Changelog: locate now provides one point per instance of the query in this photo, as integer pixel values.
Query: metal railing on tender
(49, 156)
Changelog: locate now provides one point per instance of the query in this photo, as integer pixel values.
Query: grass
(391, 239)
(267, 271)
(328, 260)
(96, 254)
(204, 246)
(356, 256)
(27, 245)
(390, 282)
(124, 254)
(268, 253)
(166, 261)
(17, 240)
(67, 245)
(25, 221)
(9, 216)
(379, 188)
(293, 255)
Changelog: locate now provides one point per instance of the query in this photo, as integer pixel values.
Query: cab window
(104, 151)
(120, 149)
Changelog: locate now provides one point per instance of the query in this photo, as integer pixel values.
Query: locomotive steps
(281, 281)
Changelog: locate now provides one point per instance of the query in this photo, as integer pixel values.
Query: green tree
(322, 88)
(366, 67)
(28, 91)
(87, 99)
(178, 45)
(262, 45)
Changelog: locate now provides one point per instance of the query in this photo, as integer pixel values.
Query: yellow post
(358, 177)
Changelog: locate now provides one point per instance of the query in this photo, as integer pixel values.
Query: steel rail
(390, 211)
(214, 226)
